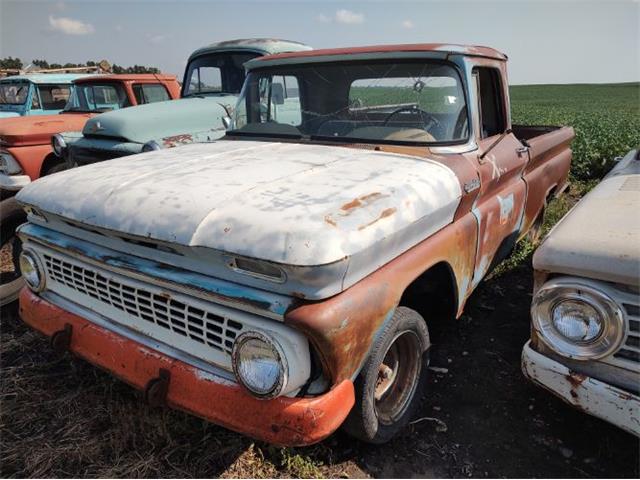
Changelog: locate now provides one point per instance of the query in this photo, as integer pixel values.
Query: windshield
(216, 73)
(14, 93)
(405, 102)
(97, 97)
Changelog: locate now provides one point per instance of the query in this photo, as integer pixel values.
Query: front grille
(85, 156)
(154, 308)
(630, 351)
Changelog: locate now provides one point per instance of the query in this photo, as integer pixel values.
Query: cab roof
(126, 77)
(264, 46)
(46, 78)
(376, 51)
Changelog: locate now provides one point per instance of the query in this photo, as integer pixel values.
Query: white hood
(295, 204)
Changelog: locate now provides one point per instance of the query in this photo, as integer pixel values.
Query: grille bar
(630, 351)
(159, 309)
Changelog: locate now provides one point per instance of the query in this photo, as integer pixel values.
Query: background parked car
(585, 336)
(26, 152)
(35, 94)
(212, 81)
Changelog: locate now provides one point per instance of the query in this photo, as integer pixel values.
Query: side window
(205, 79)
(491, 101)
(54, 97)
(150, 93)
(282, 95)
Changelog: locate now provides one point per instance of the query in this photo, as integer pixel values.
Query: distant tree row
(16, 63)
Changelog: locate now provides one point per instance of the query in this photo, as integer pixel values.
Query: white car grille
(630, 351)
(200, 328)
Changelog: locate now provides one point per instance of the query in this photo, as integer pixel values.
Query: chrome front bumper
(13, 183)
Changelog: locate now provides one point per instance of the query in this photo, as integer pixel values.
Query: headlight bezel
(555, 292)
(31, 257)
(151, 146)
(276, 348)
(58, 145)
(9, 165)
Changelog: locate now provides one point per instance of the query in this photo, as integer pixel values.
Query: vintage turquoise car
(35, 94)
(212, 82)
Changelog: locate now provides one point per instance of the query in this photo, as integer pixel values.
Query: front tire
(392, 381)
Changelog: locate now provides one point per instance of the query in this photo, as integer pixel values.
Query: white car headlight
(577, 321)
(260, 364)
(32, 270)
(9, 165)
(58, 145)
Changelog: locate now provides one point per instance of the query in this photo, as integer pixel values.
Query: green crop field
(606, 118)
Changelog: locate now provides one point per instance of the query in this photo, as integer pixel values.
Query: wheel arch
(50, 161)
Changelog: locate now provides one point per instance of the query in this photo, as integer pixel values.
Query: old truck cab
(28, 153)
(585, 335)
(35, 94)
(212, 81)
(292, 270)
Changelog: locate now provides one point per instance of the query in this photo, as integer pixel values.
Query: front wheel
(11, 217)
(392, 381)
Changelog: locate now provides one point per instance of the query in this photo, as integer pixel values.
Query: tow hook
(155, 393)
(61, 340)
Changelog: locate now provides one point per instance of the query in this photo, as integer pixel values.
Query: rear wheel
(392, 381)
(11, 217)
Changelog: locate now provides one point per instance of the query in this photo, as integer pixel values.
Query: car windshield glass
(406, 102)
(13, 93)
(216, 73)
(97, 97)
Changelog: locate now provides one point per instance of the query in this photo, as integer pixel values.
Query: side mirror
(277, 94)
(226, 121)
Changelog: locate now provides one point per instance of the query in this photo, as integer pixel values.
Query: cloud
(69, 26)
(322, 18)
(60, 6)
(119, 28)
(408, 24)
(348, 17)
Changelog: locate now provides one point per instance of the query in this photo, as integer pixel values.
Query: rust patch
(363, 200)
(330, 221)
(385, 213)
(176, 140)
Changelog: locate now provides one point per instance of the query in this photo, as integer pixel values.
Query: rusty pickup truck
(28, 151)
(282, 281)
(585, 336)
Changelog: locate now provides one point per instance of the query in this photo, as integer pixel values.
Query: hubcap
(398, 377)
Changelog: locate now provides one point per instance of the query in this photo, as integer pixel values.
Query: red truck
(282, 281)
(26, 152)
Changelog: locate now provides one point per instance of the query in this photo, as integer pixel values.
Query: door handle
(521, 150)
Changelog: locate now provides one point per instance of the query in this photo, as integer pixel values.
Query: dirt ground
(63, 417)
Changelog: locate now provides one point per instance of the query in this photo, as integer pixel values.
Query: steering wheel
(429, 120)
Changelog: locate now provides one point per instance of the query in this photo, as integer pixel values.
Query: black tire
(405, 338)
(11, 217)
(59, 167)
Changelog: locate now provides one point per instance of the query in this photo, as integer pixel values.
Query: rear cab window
(52, 97)
(150, 93)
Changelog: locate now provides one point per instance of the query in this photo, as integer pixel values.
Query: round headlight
(31, 270)
(150, 146)
(58, 144)
(577, 321)
(259, 364)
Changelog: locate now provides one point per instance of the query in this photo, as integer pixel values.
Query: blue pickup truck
(35, 94)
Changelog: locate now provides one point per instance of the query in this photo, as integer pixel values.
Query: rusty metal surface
(587, 394)
(284, 420)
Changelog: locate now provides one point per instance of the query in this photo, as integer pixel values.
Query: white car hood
(294, 204)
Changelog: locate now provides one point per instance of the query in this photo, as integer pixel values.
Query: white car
(585, 336)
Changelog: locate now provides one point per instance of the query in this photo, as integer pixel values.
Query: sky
(564, 41)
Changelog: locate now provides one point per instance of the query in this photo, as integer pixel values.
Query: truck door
(500, 204)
